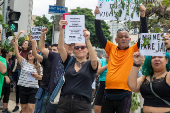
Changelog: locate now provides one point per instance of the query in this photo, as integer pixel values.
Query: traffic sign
(57, 10)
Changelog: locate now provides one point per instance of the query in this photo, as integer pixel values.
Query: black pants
(17, 92)
(6, 91)
(118, 106)
(73, 105)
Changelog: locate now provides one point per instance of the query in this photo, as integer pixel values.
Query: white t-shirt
(27, 68)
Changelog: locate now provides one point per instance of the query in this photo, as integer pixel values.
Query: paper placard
(156, 46)
(30, 77)
(74, 29)
(36, 32)
(105, 10)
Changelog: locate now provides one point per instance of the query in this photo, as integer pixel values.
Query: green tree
(157, 16)
(20, 40)
(43, 21)
(90, 24)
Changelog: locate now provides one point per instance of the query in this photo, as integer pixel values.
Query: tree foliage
(43, 21)
(90, 24)
(158, 18)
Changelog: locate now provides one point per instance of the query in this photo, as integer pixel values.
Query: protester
(155, 68)
(57, 66)
(28, 87)
(102, 71)
(6, 85)
(16, 69)
(77, 91)
(42, 94)
(117, 93)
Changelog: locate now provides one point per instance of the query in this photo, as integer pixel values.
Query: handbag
(156, 94)
(54, 98)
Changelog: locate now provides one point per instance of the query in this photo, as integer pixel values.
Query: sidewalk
(11, 104)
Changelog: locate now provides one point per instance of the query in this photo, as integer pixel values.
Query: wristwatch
(136, 65)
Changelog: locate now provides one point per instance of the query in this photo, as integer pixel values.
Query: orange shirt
(119, 66)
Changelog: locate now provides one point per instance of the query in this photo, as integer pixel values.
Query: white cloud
(40, 7)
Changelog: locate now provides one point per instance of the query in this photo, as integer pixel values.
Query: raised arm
(61, 48)
(19, 57)
(3, 69)
(101, 69)
(133, 82)
(99, 32)
(23, 31)
(34, 51)
(92, 52)
(41, 45)
(144, 26)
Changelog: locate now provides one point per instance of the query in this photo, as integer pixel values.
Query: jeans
(41, 102)
(51, 108)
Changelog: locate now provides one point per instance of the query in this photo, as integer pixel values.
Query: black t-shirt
(78, 83)
(57, 70)
(46, 73)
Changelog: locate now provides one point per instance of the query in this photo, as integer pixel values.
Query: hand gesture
(7, 79)
(62, 23)
(86, 34)
(44, 31)
(137, 58)
(34, 75)
(31, 37)
(14, 40)
(96, 11)
(23, 31)
(142, 11)
(167, 40)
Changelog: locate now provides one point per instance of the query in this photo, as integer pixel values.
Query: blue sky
(40, 7)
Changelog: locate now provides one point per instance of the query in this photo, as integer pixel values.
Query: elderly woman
(155, 68)
(76, 92)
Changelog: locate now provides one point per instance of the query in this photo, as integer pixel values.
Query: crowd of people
(122, 71)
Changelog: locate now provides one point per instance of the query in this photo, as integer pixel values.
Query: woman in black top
(76, 92)
(158, 68)
(6, 85)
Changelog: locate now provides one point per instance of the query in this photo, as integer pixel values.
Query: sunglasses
(78, 47)
(29, 53)
(122, 30)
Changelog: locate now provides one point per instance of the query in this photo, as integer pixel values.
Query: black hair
(47, 45)
(3, 52)
(54, 45)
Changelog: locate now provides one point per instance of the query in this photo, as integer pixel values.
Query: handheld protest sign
(152, 44)
(74, 29)
(122, 10)
(36, 32)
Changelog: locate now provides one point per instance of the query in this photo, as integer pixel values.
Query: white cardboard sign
(74, 29)
(105, 10)
(36, 32)
(156, 46)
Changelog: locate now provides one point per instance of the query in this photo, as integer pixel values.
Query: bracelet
(136, 65)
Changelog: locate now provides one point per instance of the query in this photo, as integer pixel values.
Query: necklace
(80, 64)
(158, 75)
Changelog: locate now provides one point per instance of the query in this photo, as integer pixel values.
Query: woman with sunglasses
(28, 80)
(79, 76)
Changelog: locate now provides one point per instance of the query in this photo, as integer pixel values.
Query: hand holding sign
(167, 41)
(44, 31)
(62, 23)
(142, 11)
(96, 11)
(137, 58)
(86, 34)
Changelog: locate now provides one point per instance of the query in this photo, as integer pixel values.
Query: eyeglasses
(122, 30)
(78, 47)
(29, 53)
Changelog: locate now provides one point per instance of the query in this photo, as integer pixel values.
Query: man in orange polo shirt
(117, 96)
